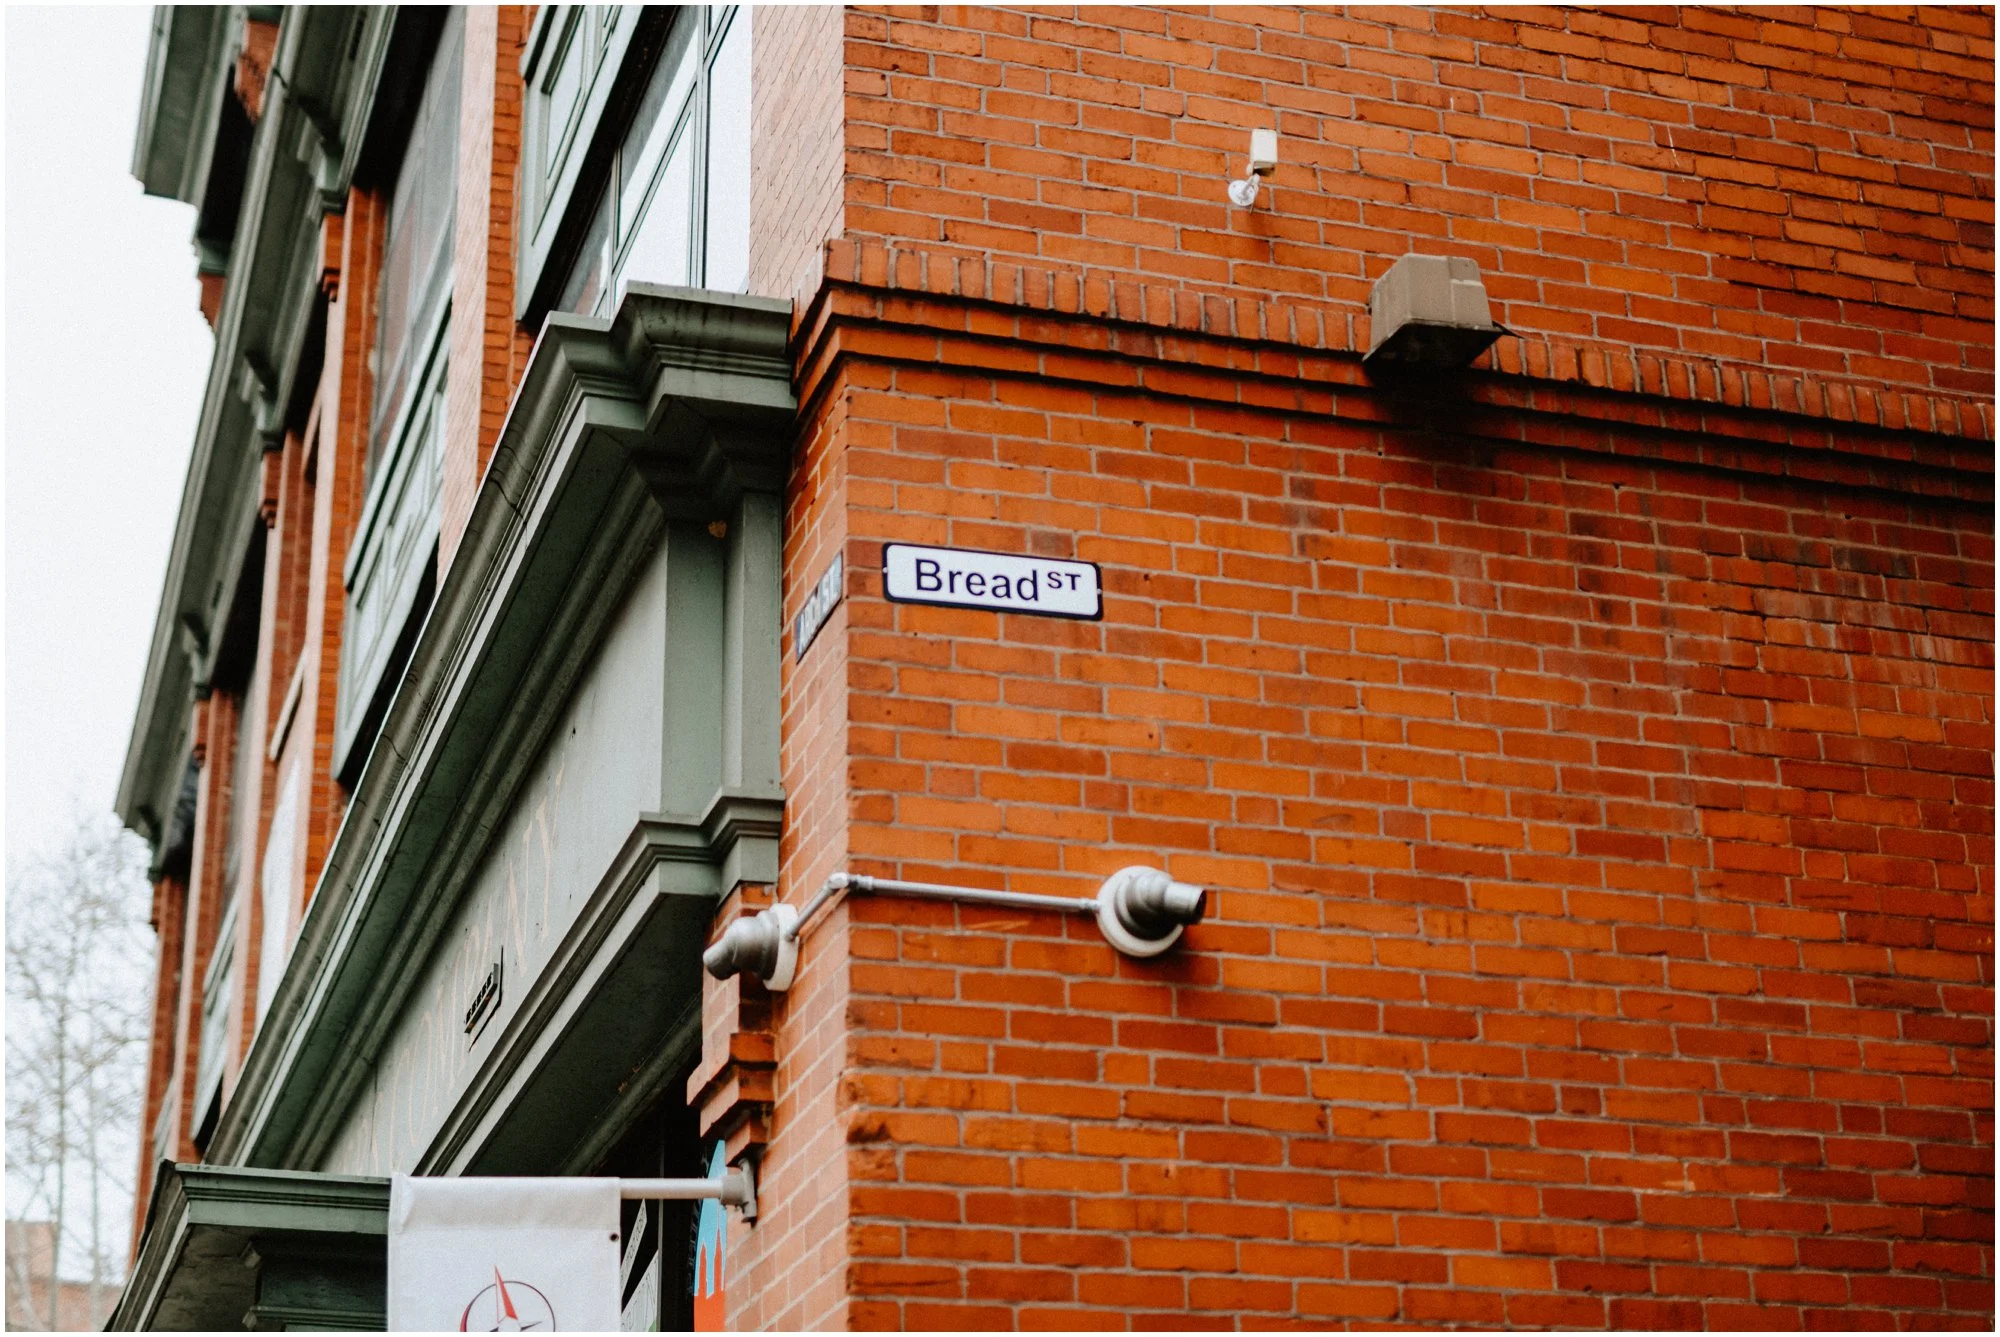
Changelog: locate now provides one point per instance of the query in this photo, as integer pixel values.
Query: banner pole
(734, 1188)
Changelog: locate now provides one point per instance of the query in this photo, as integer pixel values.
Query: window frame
(597, 168)
(412, 460)
(218, 995)
(551, 168)
(432, 259)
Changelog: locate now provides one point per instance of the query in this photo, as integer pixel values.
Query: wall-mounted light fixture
(1263, 161)
(1429, 311)
(1141, 911)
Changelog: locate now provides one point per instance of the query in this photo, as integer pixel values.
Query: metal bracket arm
(737, 1187)
(1141, 911)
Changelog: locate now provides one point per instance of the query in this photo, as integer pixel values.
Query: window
(218, 994)
(392, 562)
(416, 253)
(275, 883)
(674, 207)
(246, 756)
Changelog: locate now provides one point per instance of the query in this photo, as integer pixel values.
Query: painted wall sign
(818, 608)
(711, 1238)
(1002, 582)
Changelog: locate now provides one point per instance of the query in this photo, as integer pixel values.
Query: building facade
(41, 1300)
(1585, 750)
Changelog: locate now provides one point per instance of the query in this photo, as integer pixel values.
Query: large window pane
(275, 882)
(416, 257)
(586, 277)
(674, 204)
(658, 115)
(728, 230)
(659, 251)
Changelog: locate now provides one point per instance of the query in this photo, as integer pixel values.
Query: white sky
(106, 354)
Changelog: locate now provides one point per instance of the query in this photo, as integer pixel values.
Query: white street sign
(1002, 582)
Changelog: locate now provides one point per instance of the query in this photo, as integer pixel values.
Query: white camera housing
(1263, 161)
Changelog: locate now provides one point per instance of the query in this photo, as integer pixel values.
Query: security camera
(1263, 161)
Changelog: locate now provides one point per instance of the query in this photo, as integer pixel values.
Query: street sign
(998, 581)
(818, 608)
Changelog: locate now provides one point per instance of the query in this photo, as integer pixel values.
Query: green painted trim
(169, 149)
(321, 62)
(284, 1200)
(210, 1220)
(664, 857)
(678, 406)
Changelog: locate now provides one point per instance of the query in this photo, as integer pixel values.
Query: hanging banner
(711, 1234)
(503, 1255)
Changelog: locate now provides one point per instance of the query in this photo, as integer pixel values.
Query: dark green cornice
(678, 407)
(185, 61)
(207, 1225)
(322, 82)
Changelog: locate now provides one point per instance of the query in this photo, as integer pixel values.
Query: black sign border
(1098, 616)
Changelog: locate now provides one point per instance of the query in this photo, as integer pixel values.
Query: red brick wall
(1602, 846)
(1802, 189)
(169, 923)
(1592, 761)
(346, 390)
(213, 731)
(788, 1272)
(796, 182)
(486, 344)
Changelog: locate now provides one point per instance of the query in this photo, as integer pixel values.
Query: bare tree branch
(78, 967)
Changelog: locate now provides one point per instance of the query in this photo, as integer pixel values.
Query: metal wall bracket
(1141, 911)
(736, 1187)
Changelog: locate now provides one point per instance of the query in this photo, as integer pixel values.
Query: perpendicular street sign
(998, 581)
(818, 608)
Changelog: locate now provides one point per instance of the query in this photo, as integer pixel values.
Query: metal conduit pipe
(1141, 911)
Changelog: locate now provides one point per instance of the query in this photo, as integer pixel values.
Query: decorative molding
(615, 428)
(186, 47)
(234, 1214)
(698, 847)
(275, 267)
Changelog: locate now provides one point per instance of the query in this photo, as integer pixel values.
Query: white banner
(503, 1255)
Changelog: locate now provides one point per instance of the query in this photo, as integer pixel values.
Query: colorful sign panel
(711, 1238)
